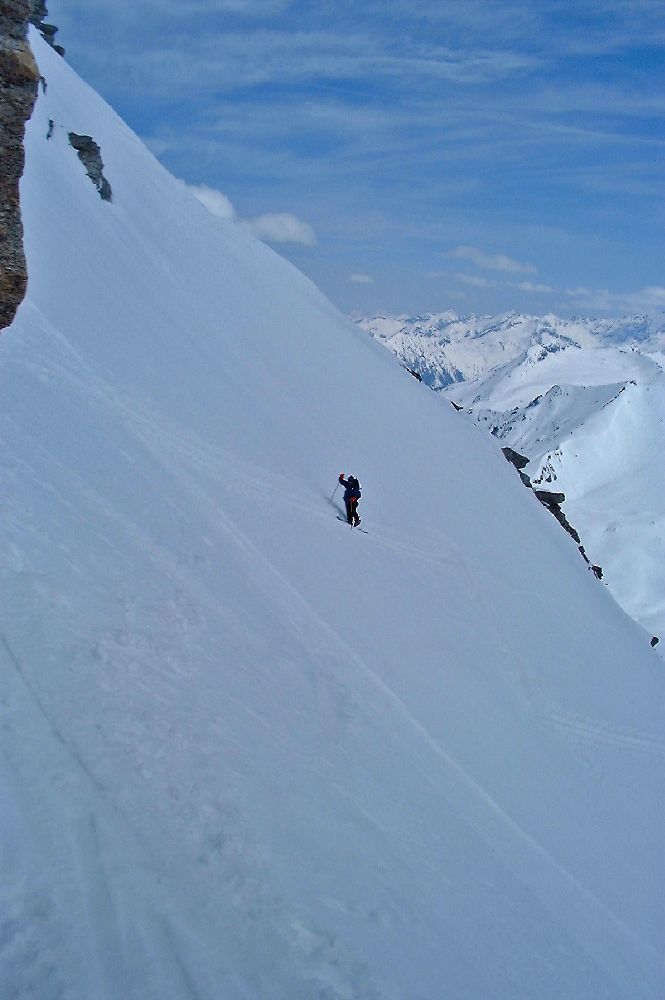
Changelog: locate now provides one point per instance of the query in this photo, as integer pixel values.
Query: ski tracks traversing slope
(519, 851)
(596, 731)
(157, 935)
(140, 667)
(479, 809)
(170, 728)
(138, 930)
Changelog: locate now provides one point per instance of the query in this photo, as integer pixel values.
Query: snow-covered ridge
(445, 348)
(584, 400)
(246, 752)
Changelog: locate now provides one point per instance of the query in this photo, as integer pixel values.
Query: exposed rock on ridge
(551, 501)
(19, 78)
(48, 31)
(90, 156)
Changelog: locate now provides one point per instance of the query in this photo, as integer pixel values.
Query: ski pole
(333, 493)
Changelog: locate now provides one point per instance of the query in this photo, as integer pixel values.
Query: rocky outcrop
(519, 461)
(552, 501)
(49, 31)
(19, 79)
(555, 511)
(514, 457)
(91, 158)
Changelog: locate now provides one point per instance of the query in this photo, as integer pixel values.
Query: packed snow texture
(246, 751)
(584, 400)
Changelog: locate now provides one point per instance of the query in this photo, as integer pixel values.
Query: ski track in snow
(448, 779)
(478, 807)
(597, 731)
(116, 955)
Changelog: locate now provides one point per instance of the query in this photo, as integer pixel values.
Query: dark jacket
(351, 488)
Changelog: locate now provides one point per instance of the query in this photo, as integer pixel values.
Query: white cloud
(361, 279)
(651, 298)
(216, 202)
(274, 227)
(529, 286)
(492, 262)
(280, 227)
(476, 281)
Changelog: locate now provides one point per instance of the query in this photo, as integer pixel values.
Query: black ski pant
(352, 510)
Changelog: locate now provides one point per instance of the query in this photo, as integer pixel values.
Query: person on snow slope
(351, 498)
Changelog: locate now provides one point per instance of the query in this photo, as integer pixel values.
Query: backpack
(355, 486)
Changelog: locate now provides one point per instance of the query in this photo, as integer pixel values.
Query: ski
(355, 527)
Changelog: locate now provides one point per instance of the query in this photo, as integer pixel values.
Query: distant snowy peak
(584, 401)
(444, 348)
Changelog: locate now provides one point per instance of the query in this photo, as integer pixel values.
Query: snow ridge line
(579, 907)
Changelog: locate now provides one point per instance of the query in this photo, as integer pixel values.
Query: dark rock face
(553, 503)
(654, 640)
(556, 511)
(91, 158)
(48, 31)
(514, 457)
(550, 499)
(19, 79)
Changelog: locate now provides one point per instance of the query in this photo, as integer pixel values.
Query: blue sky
(477, 155)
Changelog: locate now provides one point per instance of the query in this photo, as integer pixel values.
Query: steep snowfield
(544, 386)
(592, 422)
(245, 751)
(612, 470)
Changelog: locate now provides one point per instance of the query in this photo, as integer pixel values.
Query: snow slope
(245, 751)
(592, 423)
(544, 386)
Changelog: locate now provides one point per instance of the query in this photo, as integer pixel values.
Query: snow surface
(247, 752)
(545, 386)
(592, 423)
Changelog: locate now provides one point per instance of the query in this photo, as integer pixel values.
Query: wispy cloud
(232, 60)
(280, 227)
(529, 286)
(479, 281)
(400, 129)
(216, 202)
(651, 298)
(475, 280)
(361, 279)
(273, 227)
(491, 261)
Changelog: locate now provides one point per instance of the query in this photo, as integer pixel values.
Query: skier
(351, 498)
